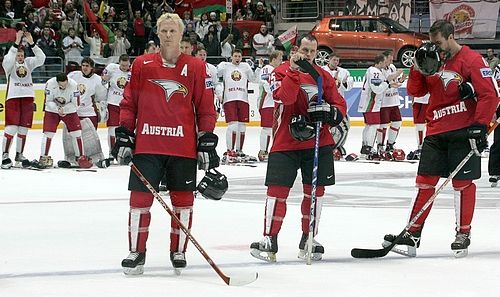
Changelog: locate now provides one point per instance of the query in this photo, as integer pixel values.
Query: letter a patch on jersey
(170, 87)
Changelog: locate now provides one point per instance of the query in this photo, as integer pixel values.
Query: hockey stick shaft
(309, 68)
(369, 253)
(148, 185)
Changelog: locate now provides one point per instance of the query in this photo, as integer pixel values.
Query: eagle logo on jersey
(448, 76)
(21, 71)
(170, 87)
(120, 82)
(236, 75)
(311, 92)
(82, 88)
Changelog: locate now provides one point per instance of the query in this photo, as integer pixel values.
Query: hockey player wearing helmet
(462, 101)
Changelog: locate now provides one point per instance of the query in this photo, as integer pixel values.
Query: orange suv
(361, 38)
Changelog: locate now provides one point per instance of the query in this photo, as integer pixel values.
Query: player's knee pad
(307, 189)
(140, 199)
(396, 125)
(22, 130)
(426, 181)
(11, 130)
(460, 185)
(182, 198)
(278, 191)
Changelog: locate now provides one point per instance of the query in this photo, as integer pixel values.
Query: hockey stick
(308, 68)
(231, 281)
(377, 253)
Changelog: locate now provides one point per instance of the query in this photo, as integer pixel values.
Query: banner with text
(471, 18)
(398, 10)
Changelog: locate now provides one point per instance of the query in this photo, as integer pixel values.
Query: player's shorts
(180, 172)
(52, 119)
(19, 112)
(266, 117)
(113, 116)
(93, 119)
(372, 118)
(282, 167)
(237, 111)
(419, 110)
(442, 153)
(390, 114)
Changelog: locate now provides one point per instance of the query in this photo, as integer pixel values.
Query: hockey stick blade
(376, 253)
(241, 280)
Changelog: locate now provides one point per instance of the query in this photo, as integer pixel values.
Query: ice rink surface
(64, 233)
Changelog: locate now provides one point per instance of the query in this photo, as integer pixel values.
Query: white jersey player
(266, 101)
(212, 71)
(235, 76)
(374, 86)
(20, 96)
(419, 108)
(62, 99)
(115, 76)
(91, 91)
(342, 76)
(390, 115)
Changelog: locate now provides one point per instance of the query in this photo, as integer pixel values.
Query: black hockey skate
(317, 249)
(19, 159)
(6, 161)
(414, 155)
(265, 249)
(411, 240)
(494, 180)
(134, 263)
(178, 260)
(460, 245)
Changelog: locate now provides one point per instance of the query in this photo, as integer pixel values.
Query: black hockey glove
(466, 91)
(207, 154)
(125, 144)
(325, 113)
(478, 138)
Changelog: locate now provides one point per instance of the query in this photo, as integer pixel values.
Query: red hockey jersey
(167, 105)
(446, 112)
(292, 92)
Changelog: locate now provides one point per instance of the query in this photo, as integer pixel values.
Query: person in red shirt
(461, 105)
(296, 112)
(167, 118)
(139, 33)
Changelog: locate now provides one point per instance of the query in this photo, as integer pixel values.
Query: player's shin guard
(393, 132)
(420, 134)
(183, 208)
(111, 138)
(46, 141)
(241, 136)
(8, 135)
(76, 140)
(426, 188)
(318, 250)
(231, 132)
(21, 139)
(381, 133)
(265, 138)
(465, 200)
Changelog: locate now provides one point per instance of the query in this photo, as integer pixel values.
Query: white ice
(64, 233)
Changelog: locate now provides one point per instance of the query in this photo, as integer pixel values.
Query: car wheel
(322, 56)
(406, 56)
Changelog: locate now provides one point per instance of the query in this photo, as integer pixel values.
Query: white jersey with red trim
(391, 95)
(342, 77)
(19, 80)
(91, 91)
(266, 96)
(374, 86)
(235, 79)
(55, 98)
(117, 81)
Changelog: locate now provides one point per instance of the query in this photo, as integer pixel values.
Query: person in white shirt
(121, 44)
(266, 102)
(344, 83)
(227, 47)
(95, 43)
(235, 76)
(20, 96)
(263, 43)
(62, 99)
(374, 86)
(92, 92)
(390, 115)
(201, 53)
(115, 76)
(72, 47)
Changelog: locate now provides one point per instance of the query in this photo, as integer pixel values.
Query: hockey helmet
(213, 185)
(398, 154)
(428, 59)
(301, 129)
(352, 157)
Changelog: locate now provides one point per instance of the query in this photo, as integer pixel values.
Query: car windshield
(395, 26)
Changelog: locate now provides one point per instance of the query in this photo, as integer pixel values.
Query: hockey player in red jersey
(167, 117)
(461, 105)
(295, 93)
